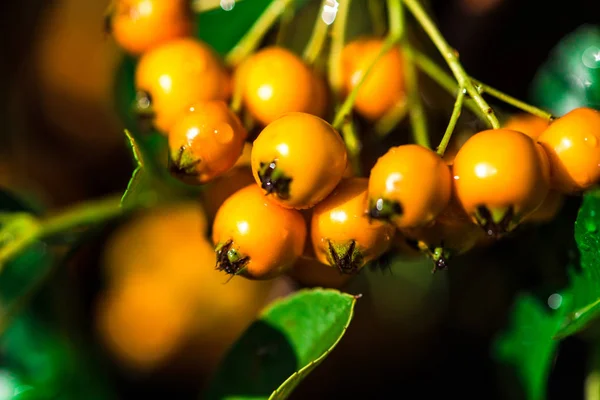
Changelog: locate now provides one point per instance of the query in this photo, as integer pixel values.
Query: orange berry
(298, 159)
(409, 186)
(218, 190)
(139, 25)
(205, 142)
(142, 321)
(255, 237)
(572, 143)
(275, 81)
(384, 87)
(451, 233)
(529, 124)
(500, 177)
(177, 74)
(165, 242)
(342, 235)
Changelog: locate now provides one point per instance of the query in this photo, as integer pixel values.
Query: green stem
(415, 105)
(338, 33)
(391, 119)
(483, 88)
(353, 145)
(200, 6)
(452, 124)
(376, 11)
(237, 99)
(78, 216)
(317, 38)
(451, 57)
(285, 24)
(443, 79)
(253, 37)
(395, 18)
(81, 215)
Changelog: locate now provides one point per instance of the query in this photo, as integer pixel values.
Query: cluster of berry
(304, 187)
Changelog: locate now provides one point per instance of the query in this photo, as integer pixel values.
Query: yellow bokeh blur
(161, 277)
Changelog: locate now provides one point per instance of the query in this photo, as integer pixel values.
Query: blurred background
(61, 142)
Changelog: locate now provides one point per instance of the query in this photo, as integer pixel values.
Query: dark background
(65, 145)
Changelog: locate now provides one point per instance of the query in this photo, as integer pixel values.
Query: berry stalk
(451, 57)
(26, 229)
(338, 34)
(483, 88)
(415, 106)
(253, 37)
(317, 39)
(391, 119)
(453, 120)
(443, 79)
(353, 145)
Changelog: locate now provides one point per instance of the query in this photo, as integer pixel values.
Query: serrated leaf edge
(135, 151)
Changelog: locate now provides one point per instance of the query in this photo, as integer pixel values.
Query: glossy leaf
(570, 77)
(48, 364)
(584, 289)
(529, 343)
(278, 350)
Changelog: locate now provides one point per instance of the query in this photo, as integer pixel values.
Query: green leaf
(584, 288)
(570, 77)
(20, 278)
(10, 202)
(284, 345)
(140, 184)
(48, 363)
(150, 182)
(223, 29)
(529, 344)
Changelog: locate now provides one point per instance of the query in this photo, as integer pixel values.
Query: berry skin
(500, 177)
(572, 143)
(255, 237)
(298, 159)
(177, 74)
(384, 87)
(139, 25)
(310, 272)
(342, 235)
(205, 142)
(529, 124)
(409, 186)
(275, 81)
(218, 190)
(452, 233)
(549, 209)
